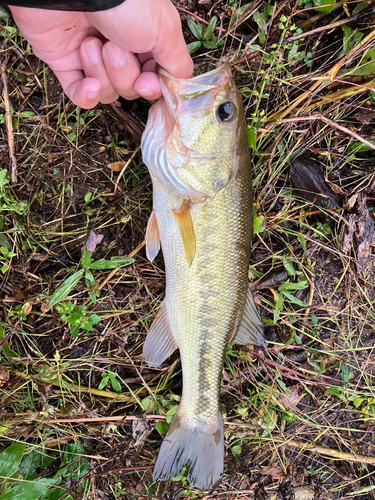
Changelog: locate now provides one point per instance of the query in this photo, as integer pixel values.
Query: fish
(195, 148)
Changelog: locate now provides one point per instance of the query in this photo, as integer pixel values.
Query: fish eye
(225, 111)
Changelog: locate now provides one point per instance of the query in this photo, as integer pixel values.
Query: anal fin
(160, 343)
(185, 225)
(250, 331)
(152, 237)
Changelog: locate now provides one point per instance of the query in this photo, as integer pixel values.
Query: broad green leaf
(4, 241)
(65, 289)
(103, 382)
(367, 64)
(260, 19)
(294, 299)
(300, 285)
(238, 13)
(29, 464)
(111, 264)
(358, 147)
(10, 459)
(209, 45)
(257, 224)
(4, 16)
(196, 28)
(302, 240)
(28, 490)
(89, 279)
(335, 391)
(359, 7)
(162, 427)
(116, 386)
(72, 465)
(193, 47)
(5, 347)
(358, 401)
(171, 413)
(322, 3)
(289, 267)
(4, 178)
(86, 258)
(26, 114)
(251, 138)
(94, 319)
(210, 28)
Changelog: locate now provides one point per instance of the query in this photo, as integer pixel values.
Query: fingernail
(93, 94)
(116, 56)
(146, 93)
(93, 51)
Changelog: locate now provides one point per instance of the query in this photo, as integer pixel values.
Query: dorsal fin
(160, 343)
(152, 237)
(185, 225)
(250, 331)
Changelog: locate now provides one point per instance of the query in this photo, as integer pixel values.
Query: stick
(331, 453)
(333, 124)
(9, 124)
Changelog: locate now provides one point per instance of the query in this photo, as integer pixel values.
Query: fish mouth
(197, 92)
(200, 83)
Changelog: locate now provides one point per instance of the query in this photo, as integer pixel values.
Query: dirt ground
(299, 416)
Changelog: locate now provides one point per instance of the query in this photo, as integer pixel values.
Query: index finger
(170, 50)
(141, 26)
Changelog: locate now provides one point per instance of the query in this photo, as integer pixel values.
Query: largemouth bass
(196, 150)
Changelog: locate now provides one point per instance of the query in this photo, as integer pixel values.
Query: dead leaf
(18, 294)
(364, 233)
(292, 399)
(140, 430)
(93, 240)
(44, 306)
(275, 472)
(348, 232)
(27, 308)
(304, 493)
(365, 117)
(117, 166)
(351, 202)
(335, 188)
(4, 376)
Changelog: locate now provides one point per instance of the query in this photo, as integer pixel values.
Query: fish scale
(207, 295)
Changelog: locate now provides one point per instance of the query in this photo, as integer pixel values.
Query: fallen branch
(330, 452)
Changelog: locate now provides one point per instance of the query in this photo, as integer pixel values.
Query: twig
(124, 168)
(117, 418)
(9, 124)
(331, 453)
(331, 26)
(332, 124)
(62, 384)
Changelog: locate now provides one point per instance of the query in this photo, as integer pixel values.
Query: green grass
(77, 403)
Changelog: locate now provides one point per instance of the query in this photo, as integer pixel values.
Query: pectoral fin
(185, 225)
(250, 331)
(160, 343)
(152, 237)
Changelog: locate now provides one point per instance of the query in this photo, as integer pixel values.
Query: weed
(205, 35)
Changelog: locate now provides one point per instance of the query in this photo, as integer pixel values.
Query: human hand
(98, 56)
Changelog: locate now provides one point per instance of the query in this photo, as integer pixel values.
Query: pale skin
(99, 56)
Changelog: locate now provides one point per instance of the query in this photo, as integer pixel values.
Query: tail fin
(201, 451)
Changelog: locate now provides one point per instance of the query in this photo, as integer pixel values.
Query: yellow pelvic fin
(185, 225)
(152, 237)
